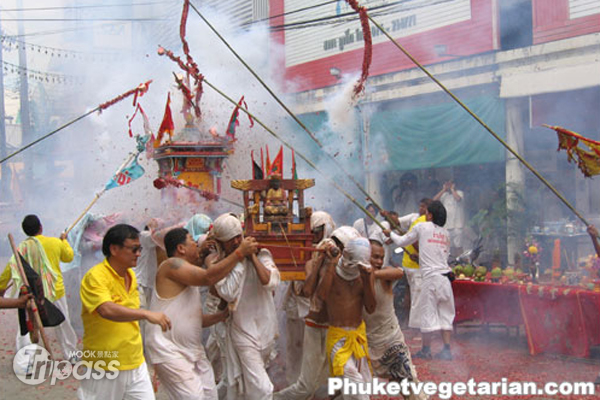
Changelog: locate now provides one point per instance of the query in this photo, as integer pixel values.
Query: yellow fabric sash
(356, 344)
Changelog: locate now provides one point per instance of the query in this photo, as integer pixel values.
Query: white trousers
(436, 304)
(186, 380)
(314, 369)
(413, 276)
(132, 384)
(253, 362)
(295, 338)
(67, 338)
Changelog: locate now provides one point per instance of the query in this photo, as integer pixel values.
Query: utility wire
(86, 6)
(83, 19)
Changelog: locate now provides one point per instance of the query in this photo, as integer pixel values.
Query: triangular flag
(277, 165)
(268, 165)
(166, 125)
(126, 175)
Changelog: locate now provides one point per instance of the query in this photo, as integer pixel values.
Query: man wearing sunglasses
(110, 313)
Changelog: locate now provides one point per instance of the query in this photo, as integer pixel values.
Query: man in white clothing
(453, 201)
(178, 354)
(314, 369)
(252, 328)
(436, 301)
(366, 226)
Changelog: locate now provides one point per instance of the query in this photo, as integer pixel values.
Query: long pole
(487, 128)
(26, 133)
(31, 303)
(5, 171)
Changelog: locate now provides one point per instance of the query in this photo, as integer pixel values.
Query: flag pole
(31, 303)
(100, 193)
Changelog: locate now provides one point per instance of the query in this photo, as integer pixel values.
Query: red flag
(167, 124)
(262, 160)
(588, 160)
(277, 165)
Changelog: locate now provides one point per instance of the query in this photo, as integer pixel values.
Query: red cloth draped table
(490, 303)
(559, 320)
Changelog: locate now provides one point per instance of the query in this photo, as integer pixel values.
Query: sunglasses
(134, 249)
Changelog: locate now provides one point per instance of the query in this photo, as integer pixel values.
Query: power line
(384, 9)
(83, 19)
(84, 7)
(49, 77)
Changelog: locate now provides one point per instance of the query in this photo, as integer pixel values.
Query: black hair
(425, 200)
(371, 205)
(117, 236)
(174, 238)
(438, 212)
(31, 225)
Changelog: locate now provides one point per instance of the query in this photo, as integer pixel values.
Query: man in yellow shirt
(110, 313)
(56, 250)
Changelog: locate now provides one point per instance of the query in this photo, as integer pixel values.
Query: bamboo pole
(31, 303)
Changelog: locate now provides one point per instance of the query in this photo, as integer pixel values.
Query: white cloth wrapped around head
(226, 227)
(357, 252)
(344, 234)
(321, 218)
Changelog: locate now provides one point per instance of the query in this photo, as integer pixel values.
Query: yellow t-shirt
(410, 249)
(104, 339)
(57, 250)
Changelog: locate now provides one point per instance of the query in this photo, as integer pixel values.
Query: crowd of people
(148, 301)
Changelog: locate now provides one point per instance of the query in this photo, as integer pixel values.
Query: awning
(440, 135)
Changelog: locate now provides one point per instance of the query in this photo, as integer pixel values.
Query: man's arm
(118, 313)
(402, 241)
(368, 278)
(389, 274)
(327, 281)
(66, 252)
(20, 302)
(445, 188)
(217, 270)
(212, 319)
(266, 270)
(312, 268)
(593, 232)
(456, 193)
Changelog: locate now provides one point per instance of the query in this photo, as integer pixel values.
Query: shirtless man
(179, 355)
(313, 368)
(347, 288)
(390, 356)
